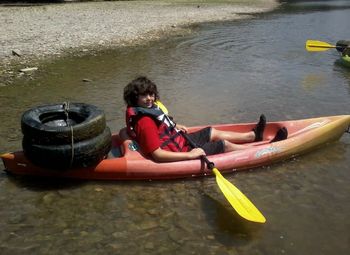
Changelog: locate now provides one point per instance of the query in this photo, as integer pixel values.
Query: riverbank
(33, 33)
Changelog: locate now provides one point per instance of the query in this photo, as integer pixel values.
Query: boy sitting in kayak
(157, 136)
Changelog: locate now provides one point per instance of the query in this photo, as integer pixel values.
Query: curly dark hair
(139, 86)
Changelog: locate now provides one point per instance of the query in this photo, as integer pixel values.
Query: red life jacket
(170, 138)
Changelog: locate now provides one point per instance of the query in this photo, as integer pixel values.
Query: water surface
(224, 72)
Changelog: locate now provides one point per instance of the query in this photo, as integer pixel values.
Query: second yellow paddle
(312, 45)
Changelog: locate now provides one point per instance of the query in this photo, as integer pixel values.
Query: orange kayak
(126, 163)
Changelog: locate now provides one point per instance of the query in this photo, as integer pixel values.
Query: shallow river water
(223, 73)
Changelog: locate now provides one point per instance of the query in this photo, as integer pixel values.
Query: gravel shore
(50, 30)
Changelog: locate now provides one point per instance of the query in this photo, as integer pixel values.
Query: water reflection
(228, 227)
(306, 6)
(313, 81)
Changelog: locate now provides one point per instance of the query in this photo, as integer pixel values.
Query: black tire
(46, 125)
(59, 157)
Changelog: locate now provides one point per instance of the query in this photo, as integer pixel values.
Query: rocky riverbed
(29, 34)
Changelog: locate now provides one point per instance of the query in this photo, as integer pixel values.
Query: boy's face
(146, 100)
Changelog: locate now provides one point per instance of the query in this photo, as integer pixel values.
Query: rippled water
(225, 72)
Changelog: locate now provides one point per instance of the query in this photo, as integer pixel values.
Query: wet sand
(35, 32)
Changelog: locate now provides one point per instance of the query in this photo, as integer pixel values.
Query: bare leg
(234, 147)
(232, 137)
(236, 137)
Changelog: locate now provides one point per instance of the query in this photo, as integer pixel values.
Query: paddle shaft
(322, 46)
(327, 46)
(210, 164)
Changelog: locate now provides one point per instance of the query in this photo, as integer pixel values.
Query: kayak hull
(345, 60)
(125, 162)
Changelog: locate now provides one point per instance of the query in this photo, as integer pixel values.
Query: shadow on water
(36, 183)
(42, 183)
(28, 3)
(229, 228)
(305, 6)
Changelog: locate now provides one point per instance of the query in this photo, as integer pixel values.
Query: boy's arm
(160, 155)
(181, 128)
(148, 140)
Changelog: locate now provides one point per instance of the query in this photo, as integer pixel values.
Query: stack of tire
(65, 136)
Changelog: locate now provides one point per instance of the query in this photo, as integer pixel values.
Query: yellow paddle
(237, 199)
(312, 45)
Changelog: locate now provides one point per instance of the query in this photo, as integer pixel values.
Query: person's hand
(196, 153)
(181, 128)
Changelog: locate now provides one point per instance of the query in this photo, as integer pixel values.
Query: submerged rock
(28, 69)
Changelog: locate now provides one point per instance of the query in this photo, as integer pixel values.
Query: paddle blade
(162, 106)
(238, 200)
(312, 45)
